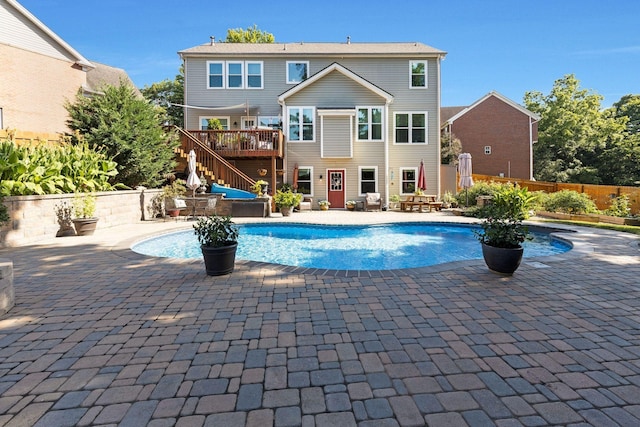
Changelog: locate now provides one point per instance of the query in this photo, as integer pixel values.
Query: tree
(250, 35)
(129, 130)
(450, 149)
(571, 130)
(168, 94)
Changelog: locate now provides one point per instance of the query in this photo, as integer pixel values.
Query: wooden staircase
(209, 163)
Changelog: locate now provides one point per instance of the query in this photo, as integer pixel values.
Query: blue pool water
(353, 247)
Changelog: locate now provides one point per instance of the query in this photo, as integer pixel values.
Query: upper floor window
(297, 71)
(235, 75)
(370, 123)
(418, 74)
(215, 71)
(411, 128)
(302, 123)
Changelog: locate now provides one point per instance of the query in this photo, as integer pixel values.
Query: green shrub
(570, 202)
(480, 188)
(619, 207)
(4, 214)
(509, 202)
(45, 169)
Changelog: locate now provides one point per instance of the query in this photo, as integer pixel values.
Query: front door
(335, 187)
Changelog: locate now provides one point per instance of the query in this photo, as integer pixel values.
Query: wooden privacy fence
(600, 194)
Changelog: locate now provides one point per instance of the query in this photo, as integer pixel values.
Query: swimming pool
(349, 247)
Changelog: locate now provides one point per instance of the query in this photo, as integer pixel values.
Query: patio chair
(372, 201)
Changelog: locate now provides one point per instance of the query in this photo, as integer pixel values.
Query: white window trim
(415, 182)
(246, 74)
(426, 128)
(383, 126)
(224, 76)
(426, 73)
(227, 118)
(289, 82)
(376, 179)
(312, 180)
(314, 123)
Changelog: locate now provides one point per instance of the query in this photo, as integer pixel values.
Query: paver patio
(102, 336)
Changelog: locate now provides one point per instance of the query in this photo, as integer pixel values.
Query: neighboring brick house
(39, 72)
(497, 132)
(354, 117)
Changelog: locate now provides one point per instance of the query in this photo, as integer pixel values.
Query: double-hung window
(370, 123)
(305, 173)
(368, 179)
(254, 75)
(215, 73)
(410, 128)
(302, 124)
(408, 178)
(418, 74)
(235, 72)
(297, 71)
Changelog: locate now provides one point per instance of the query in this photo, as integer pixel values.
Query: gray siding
(337, 134)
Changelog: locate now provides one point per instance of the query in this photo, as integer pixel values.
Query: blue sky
(509, 46)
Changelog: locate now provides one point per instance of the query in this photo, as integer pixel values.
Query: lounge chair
(372, 201)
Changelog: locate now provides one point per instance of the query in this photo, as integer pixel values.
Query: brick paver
(100, 335)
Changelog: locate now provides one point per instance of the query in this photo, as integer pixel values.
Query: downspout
(285, 160)
(386, 157)
(438, 148)
(184, 96)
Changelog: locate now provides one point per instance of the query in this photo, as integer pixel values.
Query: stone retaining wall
(7, 295)
(33, 218)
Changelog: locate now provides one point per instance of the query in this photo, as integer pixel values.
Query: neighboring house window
(368, 179)
(302, 123)
(487, 149)
(235, 72)
(418, 74)
(203, 120)
(215, 71)
(305, 174)
(369, 123)
(411, 128)
(297, 71)
(254, 75)
(273, 122)
(408, 180)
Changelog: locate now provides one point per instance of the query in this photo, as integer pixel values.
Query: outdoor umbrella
(422, 180)
(464, 165)
(193, 182)
(295, 177)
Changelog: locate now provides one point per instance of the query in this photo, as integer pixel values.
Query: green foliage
(479, 188)
(169, 95)
(450, 149)
(216, 231)
(4, 214)
(619, 207)
(177, 188)
(570, 202)
(128, 130)
(287, 199)
(214, 124)
(257, 187)
(502, 226)
(47, 169)
(84, 205)
(250, 35)
(572, 128)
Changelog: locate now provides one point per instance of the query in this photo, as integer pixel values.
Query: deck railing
(242, 143)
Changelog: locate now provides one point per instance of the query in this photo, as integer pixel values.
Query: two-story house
(497, 132)
(337, 120)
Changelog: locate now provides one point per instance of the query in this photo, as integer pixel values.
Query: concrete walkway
(101, 336)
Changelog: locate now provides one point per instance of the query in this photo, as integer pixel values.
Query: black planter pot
(85, 226)
(219, 261)
(502, 260)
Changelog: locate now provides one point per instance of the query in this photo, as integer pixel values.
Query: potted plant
(324, 205)
(170, 192)
(260, 187)
(449, 200)
(64, 215)
(286, 200)
(394, 201)
(351, 205)
(84, 208)
(218, 237)
(503, 232)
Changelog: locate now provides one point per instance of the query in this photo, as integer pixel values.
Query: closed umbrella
(193, 182)
(422, 179)
(466, 180)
